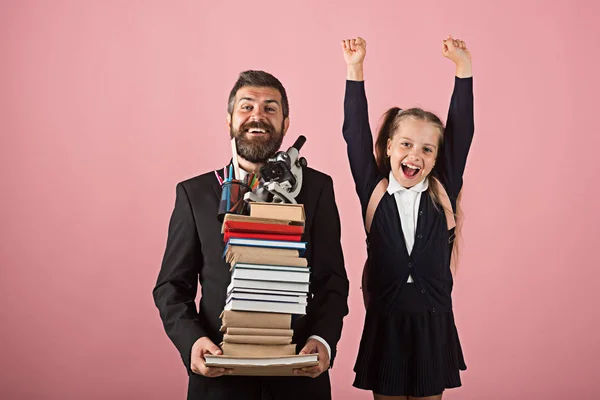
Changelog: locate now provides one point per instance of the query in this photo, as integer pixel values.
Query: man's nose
(257, 114)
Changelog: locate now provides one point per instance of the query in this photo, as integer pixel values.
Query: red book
(254, 227)
(257, 235)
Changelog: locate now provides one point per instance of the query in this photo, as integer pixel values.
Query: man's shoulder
(313, 175)
(199, 181)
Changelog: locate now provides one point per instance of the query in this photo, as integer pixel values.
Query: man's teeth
(410, 166)
(256, 130)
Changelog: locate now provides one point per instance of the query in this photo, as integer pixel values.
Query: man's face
(257, 122)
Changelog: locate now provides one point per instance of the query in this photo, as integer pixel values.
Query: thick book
(231, 289)
(285, 298)
(265, 306)
(263, 236)
(254, 339)
(231, 251)
(259, 331)
(267, 260)
(267, 244)
(263, 366)
(243, 271)
(284, 211)
(237, 319)
(259, 220)
(258, 350)
(296, 287)
(262, 227)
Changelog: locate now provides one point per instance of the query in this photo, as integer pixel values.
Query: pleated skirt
(409, 353)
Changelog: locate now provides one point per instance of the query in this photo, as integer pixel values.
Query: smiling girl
(409, 197)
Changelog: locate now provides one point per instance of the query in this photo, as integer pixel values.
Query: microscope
(281, 176)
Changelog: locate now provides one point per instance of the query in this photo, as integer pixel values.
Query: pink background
(106, 105)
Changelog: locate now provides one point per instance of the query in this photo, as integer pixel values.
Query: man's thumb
(214, 349)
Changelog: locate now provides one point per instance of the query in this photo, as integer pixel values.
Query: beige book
(267, 259)
(251, 319)
(259, 251)
(249, 339)
(257, 350)
(285, 211)
(260, 332)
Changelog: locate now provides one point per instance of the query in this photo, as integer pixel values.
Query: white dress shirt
(319, 338)
(407, 201)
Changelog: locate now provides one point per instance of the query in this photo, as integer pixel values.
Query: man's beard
(259, 148)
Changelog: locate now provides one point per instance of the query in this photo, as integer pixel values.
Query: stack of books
(269, 284)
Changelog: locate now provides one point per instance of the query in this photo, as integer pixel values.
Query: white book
(265, 306)
(231, 361)
(266, 297)
(277, 244)
(268, 275)
(231, 289)
(267, 285)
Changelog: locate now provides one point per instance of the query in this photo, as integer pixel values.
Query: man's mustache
(268, 128)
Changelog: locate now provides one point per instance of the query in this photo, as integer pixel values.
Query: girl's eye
(405, 144)
(428, 150)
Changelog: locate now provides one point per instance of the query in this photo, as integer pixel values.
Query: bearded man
(258, 119)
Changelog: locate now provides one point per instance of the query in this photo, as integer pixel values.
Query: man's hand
(314, 346)
(457, 51)
(205, 346)
(355, 51)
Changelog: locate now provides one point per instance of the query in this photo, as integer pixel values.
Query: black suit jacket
(194, 254)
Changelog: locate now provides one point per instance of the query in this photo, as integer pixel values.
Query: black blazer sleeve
(329, 282)
(177, 283)
(359, 140)
(458, 136)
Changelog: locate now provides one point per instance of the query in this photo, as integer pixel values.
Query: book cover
(257, 350)
(285, 211)
(264, 366)
(267, 260)
(236, 319)
(276, 244)
(265, 306)
(296, 287)
(259, 331)
(256, 339)
(271, 274)
(259, 235)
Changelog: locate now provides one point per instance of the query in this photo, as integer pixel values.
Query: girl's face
(413, 150)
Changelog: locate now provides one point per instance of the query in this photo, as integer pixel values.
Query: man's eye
(246, 107)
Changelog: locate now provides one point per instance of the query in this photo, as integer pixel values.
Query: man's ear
(229, 121)
(286, 125)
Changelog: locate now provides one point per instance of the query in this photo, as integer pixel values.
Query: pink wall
(105, 106)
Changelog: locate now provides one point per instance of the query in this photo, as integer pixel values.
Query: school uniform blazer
(194, 254)
(389, 261)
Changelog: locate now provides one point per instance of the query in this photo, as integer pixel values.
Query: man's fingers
(312, 372)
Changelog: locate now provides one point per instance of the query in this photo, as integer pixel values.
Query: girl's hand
(355, 51)
(457, 51)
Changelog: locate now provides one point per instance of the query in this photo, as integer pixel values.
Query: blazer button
(433, 310)
(422, 290)
(409, 265)
(419, 236)
(420, 212)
